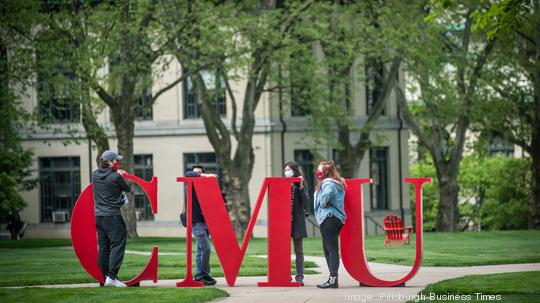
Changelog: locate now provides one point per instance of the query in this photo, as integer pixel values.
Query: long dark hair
(297, 172)
(295, 168)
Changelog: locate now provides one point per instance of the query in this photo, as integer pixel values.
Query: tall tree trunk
(447, 170)
(125, 130)
(94, 131)
(351, 155)
(534, 199)
(237, 167)
(534, 202)
(448, 212)
(235, 189)
(348, 163)
(243, 161)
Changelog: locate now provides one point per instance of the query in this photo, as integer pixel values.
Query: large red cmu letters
(230, 254)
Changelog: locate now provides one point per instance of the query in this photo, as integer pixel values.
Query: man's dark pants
(112, 236)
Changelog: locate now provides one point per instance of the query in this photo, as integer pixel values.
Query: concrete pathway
(246, 290)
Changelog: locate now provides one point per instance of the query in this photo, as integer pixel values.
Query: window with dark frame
(216, 90)
(499, 146)
(374, 85)
(144, 110)
(305, 159)
(144, 107)
(58, 95)
(144, 169)
(378, 169)
(300, 91)
(60, 185)
(299, 107)
(208, 160)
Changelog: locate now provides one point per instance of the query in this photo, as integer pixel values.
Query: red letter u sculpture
(352, 240)
(84, 236)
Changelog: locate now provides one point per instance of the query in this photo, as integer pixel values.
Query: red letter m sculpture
(230, 254)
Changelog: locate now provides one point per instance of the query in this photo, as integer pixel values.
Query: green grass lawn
(440, 249)
(508, 287)
(54, 262)
(38, 262)
(454, 249)
(99, 295)
(463, 249)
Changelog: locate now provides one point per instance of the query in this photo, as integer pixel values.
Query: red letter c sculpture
(84, 236)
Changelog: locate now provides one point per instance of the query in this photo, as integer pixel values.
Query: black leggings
(330, 229)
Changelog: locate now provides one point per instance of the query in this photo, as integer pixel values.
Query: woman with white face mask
(299, 200)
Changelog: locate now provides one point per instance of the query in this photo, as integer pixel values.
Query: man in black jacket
(200, 231)
(108, 187)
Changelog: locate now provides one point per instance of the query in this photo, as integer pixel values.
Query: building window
(144, 109)
(144, 169)
(300, 91)
(57, 94)
(299, 107)
(305, 159)
(499, 146)
(374, 85)
(60, 186)
(378, 167)
(216, 91)
(208, 160)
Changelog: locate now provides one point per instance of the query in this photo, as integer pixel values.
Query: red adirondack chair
(396, 233)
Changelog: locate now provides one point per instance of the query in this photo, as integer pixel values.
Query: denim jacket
(329, 201)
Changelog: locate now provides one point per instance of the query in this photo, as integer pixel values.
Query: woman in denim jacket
(330, 215)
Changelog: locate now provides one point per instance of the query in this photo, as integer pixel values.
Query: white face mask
(288, 173)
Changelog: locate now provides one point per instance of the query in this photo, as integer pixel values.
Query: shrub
(493, 195)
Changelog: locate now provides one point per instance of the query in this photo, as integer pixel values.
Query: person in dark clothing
(299, 200)
(108, 186)
(201, 233)
(15, 225)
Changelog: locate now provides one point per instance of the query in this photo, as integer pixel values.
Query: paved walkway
(246, 289)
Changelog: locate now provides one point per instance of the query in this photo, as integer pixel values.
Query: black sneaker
(198, 278)
(207, 280)
(331, 283)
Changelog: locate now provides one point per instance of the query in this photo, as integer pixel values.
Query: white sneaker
(114, 283)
